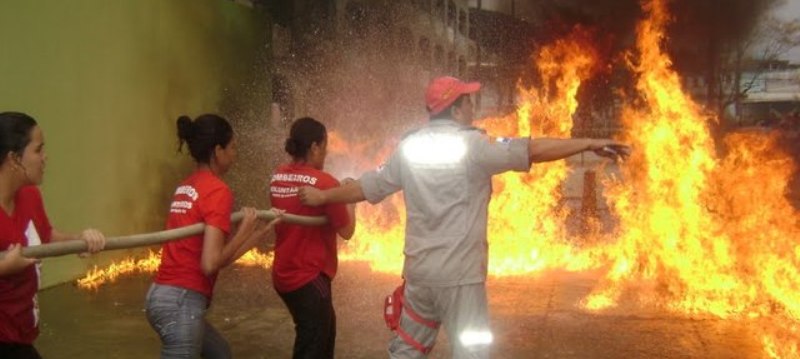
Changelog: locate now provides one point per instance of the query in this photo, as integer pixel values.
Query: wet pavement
(532, 317)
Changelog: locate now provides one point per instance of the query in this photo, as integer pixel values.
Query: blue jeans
(178, 316)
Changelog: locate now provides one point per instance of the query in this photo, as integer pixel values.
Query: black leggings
(18, 351)
(311, 307)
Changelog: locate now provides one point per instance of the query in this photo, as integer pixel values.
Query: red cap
(443, 91)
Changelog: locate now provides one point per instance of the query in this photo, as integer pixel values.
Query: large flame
(697, 233)
(526, 226)
(665, 231)
(527, 218)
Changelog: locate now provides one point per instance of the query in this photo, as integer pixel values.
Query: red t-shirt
(28, 225)
(302, 252)
(201, 198)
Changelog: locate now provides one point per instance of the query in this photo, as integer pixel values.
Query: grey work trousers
(463, 310)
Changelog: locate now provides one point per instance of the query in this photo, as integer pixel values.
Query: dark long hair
(305, 132)
(15, 133)
(203, 134)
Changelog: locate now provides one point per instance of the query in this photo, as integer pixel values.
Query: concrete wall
(106, 81)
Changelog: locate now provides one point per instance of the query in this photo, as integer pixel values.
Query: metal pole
(140, 240)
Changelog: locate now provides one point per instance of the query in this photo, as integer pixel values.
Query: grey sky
(790, 11)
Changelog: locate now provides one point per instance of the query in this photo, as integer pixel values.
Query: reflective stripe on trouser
(461, 309)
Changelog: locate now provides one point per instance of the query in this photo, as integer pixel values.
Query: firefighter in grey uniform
(444, 170)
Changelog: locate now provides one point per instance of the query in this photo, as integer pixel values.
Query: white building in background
(771, 96)
(772, 85)
(770, 93)
(422, 39)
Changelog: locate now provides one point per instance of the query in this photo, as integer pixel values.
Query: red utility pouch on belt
(393, 307)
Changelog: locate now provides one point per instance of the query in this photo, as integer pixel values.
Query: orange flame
(659, 204)
(97, 277)
(520, 244)
(527, 229)
(149, 264)
(697, 233)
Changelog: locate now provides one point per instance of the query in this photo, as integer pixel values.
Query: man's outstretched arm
(551, 149)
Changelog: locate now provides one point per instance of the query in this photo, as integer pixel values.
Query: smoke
(703, 39)
(694, 23)
(704, 33)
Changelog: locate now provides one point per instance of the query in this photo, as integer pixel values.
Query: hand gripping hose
(140, 240)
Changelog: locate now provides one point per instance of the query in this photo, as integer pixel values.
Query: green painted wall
(106, 80)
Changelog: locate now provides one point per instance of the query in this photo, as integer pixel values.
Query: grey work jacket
(445, 170)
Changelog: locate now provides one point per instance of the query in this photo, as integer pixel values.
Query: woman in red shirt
(305, 257)
(24, 223)
(177, 301)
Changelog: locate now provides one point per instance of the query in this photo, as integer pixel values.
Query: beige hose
(139, 240)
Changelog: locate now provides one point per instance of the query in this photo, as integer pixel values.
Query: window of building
(425, 53)
(462, 22)
(451, 14)
(404, 41)
(321, 10)
(438, 9)
(282, 110)
(357, 19)
(319, 17)
(438, 59)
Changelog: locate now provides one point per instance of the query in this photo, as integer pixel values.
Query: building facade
(321, 48)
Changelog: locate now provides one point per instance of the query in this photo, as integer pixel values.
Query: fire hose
(146, 239)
